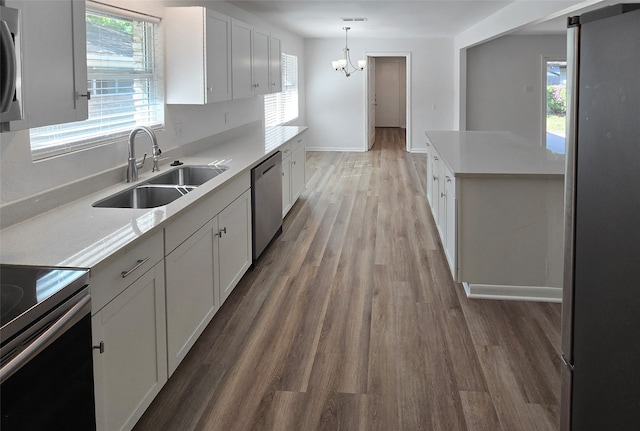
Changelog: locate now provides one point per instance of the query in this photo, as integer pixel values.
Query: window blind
(280, 108)
(123, 72)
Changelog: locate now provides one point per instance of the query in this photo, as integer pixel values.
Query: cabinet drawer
(132, 263)
(297, 142)
(286, 149)
(207, 208)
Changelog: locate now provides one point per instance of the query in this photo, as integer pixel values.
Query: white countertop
(79, 235)
(468, 153)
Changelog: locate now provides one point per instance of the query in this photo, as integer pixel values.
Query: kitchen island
(497, 201)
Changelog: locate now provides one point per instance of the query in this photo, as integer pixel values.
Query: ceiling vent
(353, 19)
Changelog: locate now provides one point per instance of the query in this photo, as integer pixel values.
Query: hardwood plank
(479, 413)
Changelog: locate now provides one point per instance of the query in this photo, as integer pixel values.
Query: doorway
(388, 92)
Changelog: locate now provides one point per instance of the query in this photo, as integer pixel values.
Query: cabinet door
(298, 161)
(132, 368)
(275, 65)
(450, 220)
(218, 53)
(54, 60)
(234, 243)
(429, 184)
(286, 185)
(435, 186)
(261, 82)
(191, 299)
(241, 60)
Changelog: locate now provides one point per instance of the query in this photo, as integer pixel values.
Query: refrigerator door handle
(566, 362)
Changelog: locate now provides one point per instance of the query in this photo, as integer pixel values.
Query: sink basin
(162, 189)
(188, 175)
(144, 196)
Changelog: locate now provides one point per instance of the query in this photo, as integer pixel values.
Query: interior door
(371, 71)
(387, 81)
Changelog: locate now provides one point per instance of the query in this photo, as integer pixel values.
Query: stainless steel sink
(188, 175)
(144, 196)
(162, 189)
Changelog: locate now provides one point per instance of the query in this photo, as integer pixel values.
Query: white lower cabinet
(130, 359)
(441, 194)
(203, 269)
(294, 160)
(234, 244)
(191, 298)
(286, 183)
(449, 218)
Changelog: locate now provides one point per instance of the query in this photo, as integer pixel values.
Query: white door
(387, 81)
(371, 70)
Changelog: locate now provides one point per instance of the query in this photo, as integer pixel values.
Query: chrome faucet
(133, 166)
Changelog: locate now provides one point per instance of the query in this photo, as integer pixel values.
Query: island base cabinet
(130, 356)
(191, 298)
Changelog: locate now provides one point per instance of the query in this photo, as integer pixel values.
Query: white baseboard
(418, 150)
(513, 293)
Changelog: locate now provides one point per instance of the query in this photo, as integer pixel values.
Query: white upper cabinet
(261, 83)
(255, 70)
(198, 49)
(242, 60)
(275, 65)
(54, 60)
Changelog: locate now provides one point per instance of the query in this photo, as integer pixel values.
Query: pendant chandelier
(344, 64)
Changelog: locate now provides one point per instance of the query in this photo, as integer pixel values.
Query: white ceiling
(385, 19)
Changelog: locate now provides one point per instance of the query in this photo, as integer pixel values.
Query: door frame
(407, 56)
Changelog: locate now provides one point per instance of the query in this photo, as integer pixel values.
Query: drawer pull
(138, 264)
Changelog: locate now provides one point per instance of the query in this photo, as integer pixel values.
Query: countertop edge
(243, 162)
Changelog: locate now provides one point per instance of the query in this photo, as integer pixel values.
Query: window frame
(276, 100)
(151, 54)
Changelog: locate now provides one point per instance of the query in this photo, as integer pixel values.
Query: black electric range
(28, 292)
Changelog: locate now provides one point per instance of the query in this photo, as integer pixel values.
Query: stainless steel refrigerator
(601, 302)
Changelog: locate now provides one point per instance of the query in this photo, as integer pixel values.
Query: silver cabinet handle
(138, 264)
(448, 178)
(436, 158)
(435, 178)
(88, 95)
(221, 231)
(99, 347)
(442, 195)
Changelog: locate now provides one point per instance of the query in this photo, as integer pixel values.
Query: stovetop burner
(29, 292)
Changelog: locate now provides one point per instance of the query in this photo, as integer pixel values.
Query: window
(123, 79)
(282, 107)
(556, 106)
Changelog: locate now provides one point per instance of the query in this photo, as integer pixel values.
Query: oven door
(47, 371)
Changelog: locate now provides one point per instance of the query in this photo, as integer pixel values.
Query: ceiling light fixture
(343, 64)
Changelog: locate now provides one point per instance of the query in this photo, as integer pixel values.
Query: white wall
(498, 72)
(509, 19)
(24, 180)
(336, 105)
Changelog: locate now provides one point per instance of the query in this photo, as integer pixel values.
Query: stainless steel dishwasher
(266, 198)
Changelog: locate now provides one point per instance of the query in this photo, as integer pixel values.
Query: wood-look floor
(351, 321)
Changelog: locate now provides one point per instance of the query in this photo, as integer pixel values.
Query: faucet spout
(132, 165)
